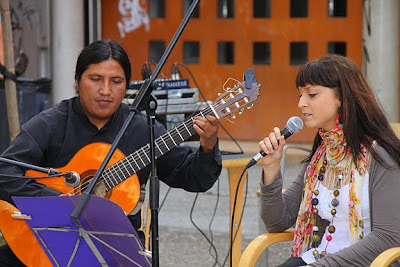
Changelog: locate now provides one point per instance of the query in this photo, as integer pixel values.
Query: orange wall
(278, 95)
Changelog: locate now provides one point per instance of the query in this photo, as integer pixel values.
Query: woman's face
(101, 90)
(319, 106)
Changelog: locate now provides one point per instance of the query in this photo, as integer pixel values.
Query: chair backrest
(284, 154)
(396, 128)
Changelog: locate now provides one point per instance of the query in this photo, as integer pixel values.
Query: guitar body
(86, 162)
(20, 238)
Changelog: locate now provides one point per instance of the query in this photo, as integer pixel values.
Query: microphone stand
(141, 100)
(49, 171)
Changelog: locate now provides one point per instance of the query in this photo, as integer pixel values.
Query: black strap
(7, 74)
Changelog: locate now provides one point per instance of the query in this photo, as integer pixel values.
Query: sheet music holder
(106, 236)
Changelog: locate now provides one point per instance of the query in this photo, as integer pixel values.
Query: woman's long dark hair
(361, 114)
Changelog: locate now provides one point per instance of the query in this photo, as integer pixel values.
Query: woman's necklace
(338, 180)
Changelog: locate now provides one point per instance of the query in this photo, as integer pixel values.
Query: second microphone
(293, 125)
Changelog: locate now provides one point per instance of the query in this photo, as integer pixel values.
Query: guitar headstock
(235, 99)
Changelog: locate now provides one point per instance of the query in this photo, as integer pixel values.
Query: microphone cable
(231, 238)
(210, 224)
(212, 246)
(165, 198)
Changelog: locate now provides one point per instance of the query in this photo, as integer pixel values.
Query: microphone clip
(72, 179)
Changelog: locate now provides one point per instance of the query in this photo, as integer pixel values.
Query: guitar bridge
(20, 216)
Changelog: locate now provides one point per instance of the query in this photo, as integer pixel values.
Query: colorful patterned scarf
(334, 148)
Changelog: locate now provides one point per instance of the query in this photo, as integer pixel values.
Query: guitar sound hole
(98, 190)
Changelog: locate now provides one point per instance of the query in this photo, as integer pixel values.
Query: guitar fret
(105, 179)
(159, 148)
(145, 153)
(120, 172)
(137, 165)
(115, 172)
(172, 138)
(184, 124)
(128, 173)
(133, 169)
(179, 133)
(202, 114)
(137, 153)
(164, 143)
(109, 179)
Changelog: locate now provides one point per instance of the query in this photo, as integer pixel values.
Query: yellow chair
(396, 128)
(262, 242)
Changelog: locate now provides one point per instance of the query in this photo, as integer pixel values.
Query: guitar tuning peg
(250, 106)
(241, 111)
(233, 116)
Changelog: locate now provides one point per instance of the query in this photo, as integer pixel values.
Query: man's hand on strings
(207, 128)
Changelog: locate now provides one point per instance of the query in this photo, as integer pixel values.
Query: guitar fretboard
(123, 169)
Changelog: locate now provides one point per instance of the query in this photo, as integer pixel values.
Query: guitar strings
(108, 173)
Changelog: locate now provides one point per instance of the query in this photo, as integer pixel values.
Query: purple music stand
(106, 237)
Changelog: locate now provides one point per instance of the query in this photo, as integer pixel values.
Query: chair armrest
(386, 258)
(260, 243)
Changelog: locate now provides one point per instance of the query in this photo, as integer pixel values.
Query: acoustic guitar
(119, 181)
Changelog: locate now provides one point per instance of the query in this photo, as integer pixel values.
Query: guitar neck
(138, 160)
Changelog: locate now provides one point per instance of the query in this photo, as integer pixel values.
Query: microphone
(293, 125)
(72, 179)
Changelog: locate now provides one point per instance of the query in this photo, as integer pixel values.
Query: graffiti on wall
(133, 16)
(23, 14)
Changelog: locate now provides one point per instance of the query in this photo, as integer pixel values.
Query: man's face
(101, 90)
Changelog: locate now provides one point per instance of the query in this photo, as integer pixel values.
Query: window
(298, 8)
(191, 52)
(157, 8)
(186, 6)
(262, 8)
(337, 8)
(226, 53)
(226, 8)
(157, 49)
(298, 53)
(337, 48)
(261, 53)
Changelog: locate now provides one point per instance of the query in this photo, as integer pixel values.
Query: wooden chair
(262, 242)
